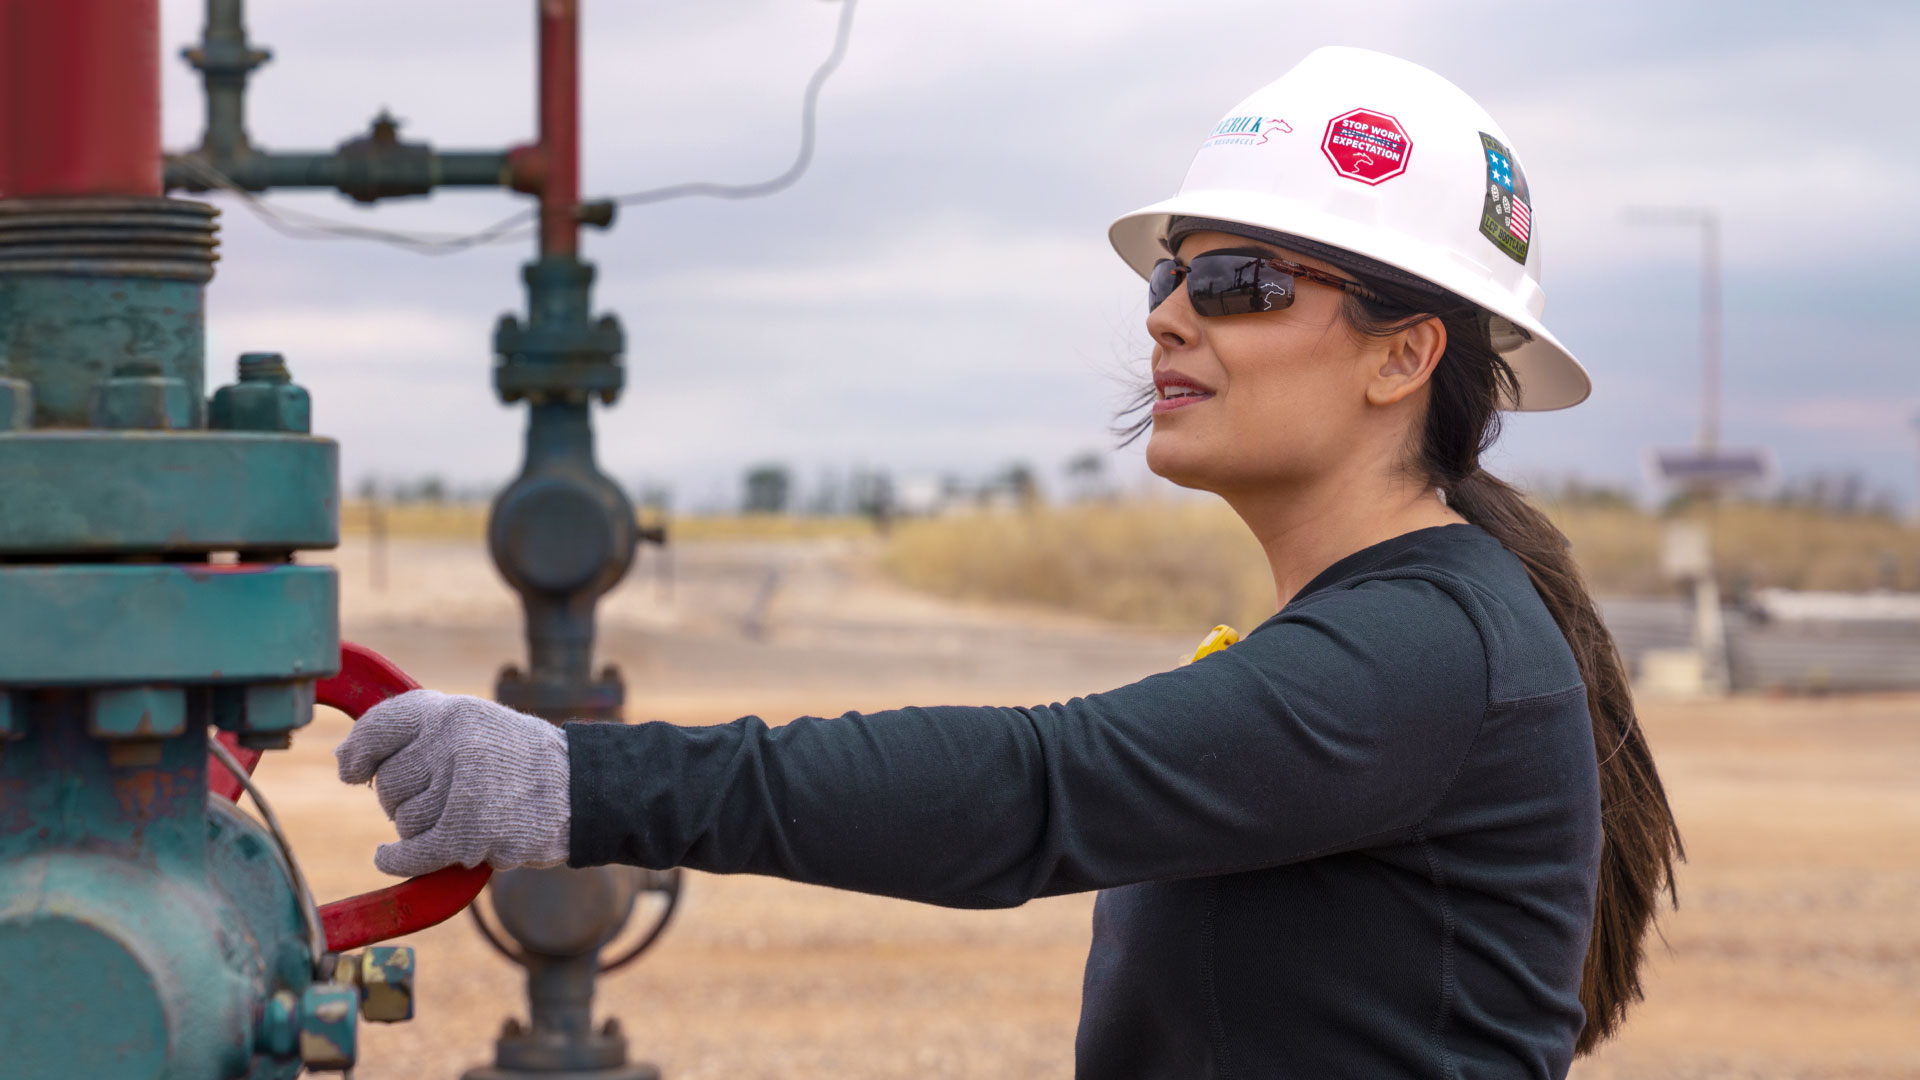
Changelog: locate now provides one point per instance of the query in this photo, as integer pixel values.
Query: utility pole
(1914, 423)
(1708, 222)
(1708, 471)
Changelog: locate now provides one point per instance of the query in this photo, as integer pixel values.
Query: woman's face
(1263, 400)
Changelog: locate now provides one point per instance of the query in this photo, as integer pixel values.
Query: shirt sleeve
(1337, 724)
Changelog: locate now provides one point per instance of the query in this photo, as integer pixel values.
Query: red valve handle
(366, 679)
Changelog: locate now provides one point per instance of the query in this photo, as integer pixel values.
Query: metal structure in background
(148, 595)
(1707, 471)
(562, 534)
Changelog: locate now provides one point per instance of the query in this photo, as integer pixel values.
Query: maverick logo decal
(1367, 146)
(1246, 131)
(1506, 218)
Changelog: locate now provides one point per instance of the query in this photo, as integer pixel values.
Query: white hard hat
(1370, 154)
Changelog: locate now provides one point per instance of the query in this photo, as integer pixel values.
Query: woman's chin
(1178, 461)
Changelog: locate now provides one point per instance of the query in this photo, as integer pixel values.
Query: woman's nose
(1173, 325)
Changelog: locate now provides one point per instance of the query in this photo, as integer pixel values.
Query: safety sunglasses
(1236, 283)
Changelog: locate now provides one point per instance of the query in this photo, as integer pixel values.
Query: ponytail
(1639, 838)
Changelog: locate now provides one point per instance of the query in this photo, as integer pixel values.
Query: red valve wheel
(366, 679)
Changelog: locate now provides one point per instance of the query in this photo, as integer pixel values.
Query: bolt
(265, 740)
(265, 399)
(264, 367)
(328, 1027)
(137, 712)
(277, 708)
(384, 976)
(140, 395)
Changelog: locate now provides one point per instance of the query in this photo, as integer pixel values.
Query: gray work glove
(465, 781)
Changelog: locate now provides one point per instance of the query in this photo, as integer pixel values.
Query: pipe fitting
(265, 399)
(140, 396)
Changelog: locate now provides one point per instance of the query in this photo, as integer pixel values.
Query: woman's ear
(1408, 363)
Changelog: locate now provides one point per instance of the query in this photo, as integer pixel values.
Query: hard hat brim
(1549, 376)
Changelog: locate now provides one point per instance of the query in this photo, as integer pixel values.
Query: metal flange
(167, 624)
(76, 492)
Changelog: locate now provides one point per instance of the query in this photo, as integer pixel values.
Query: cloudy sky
(938, 295)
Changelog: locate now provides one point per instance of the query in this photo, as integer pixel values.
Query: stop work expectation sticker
(1367, 145)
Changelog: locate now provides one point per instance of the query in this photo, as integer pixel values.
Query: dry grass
(1186, 564)
(1178, 564)
(423, 520)
(468, 521)
(1172, 564)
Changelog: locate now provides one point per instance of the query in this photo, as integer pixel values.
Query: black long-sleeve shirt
(1362, 842)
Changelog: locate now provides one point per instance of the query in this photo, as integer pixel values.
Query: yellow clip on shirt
(1217, 638)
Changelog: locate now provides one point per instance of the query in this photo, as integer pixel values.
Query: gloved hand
(465, 781)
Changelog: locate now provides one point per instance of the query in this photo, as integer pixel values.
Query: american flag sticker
(1506, 214)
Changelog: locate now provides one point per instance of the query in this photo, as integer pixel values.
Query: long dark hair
(1639, 839)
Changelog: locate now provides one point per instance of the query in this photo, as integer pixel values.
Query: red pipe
(79, 97)
(559, 126)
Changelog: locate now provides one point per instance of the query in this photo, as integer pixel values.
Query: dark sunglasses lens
(1236, 285)
(1161, 282)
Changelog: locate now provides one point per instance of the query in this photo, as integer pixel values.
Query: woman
(1408, 827)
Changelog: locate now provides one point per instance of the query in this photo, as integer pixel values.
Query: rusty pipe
(79, 97)
(559, 127)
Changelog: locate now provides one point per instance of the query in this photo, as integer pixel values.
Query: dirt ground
(1795, 953)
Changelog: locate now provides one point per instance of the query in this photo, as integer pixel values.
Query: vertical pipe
(226, 61)
(559, 126)
(560, 994)
(79, 97)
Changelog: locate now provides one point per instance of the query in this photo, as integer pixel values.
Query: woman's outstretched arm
(1334, 725)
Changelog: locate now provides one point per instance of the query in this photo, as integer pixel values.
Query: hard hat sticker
(1367, 146)
(1506, 218)
(1246, 131)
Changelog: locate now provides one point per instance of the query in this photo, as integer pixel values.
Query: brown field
(1119, 561)
(1795, 954)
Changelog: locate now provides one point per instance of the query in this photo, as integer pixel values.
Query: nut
(142, 396)
(328, 1027)
(383, 977)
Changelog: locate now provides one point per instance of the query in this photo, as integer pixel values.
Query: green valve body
(149, 595)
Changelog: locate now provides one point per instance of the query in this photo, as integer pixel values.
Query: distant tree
(1087, 475)
(871, 492)
(432, 489)
(769, 487)
(1019, 480)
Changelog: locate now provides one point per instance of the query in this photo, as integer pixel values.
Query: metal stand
(562, 533)
(561, 920)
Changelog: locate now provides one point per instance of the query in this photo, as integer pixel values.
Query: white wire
(316, 933)
(809, 109)
(302, 225)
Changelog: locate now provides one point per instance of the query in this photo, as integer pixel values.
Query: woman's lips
(1168, 404)
(1176, 391)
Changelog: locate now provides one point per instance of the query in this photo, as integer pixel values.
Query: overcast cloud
(937, 294)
